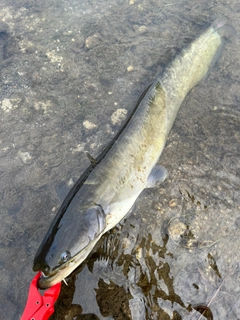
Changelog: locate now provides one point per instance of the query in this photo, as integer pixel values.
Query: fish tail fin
(225, 31)
(221, 26)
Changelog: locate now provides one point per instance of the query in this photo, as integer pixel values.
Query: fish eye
(65, 256)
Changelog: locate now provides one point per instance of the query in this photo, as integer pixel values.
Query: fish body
(109, 191)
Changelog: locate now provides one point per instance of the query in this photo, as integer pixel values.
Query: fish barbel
(109, 189)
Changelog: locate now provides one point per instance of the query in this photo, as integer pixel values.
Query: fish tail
(224, 31)
(221, 26)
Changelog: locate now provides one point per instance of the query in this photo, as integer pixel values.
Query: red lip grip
(40, 307)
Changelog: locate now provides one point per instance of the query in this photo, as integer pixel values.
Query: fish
(109, 187)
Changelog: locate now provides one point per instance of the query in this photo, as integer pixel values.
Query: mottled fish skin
(115, 183)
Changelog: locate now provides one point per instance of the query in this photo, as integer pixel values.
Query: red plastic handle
(40, 307)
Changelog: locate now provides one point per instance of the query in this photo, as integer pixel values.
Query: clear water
(66, 65)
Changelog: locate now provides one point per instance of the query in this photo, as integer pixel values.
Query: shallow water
(66, 67)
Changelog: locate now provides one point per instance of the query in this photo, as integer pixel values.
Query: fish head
(69, 240)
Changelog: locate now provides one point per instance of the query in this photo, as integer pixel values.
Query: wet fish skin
(130, 165)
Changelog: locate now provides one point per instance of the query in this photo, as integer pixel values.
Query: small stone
(89, 125)
(172, 203)
(130, 68)
(158, 206)
(70, 183)
(7, 105)
(43, 105)
(142, 29)
(25, 157)
(176, 229)
(53, 56)
(118, 116)
(92, 41)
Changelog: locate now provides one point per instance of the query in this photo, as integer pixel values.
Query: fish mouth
(57, 275)
(62, 271)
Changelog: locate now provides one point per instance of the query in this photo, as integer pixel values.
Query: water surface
(66, 67)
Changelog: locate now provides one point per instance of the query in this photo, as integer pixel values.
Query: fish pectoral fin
(157, 176)
(90, 158)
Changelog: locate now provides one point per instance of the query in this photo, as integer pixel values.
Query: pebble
(142, 29)
(118, 116)
(53, 56)
(172, 203)
(25, 157)
(6, 105)
(92, 41)
(9, 104)
(89, 125)
(130, 68)
(176, 229)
